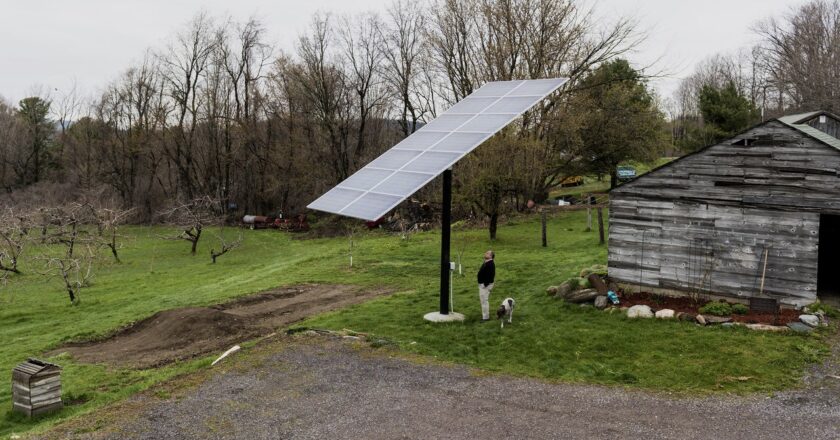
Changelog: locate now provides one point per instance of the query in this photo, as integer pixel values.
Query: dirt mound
(180, 334)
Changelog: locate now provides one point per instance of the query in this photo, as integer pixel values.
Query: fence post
(600, 226)
(544, 238)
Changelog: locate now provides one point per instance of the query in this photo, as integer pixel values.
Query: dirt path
(188, 332)
(323, 388)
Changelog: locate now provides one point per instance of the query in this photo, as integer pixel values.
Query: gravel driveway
(327, 388)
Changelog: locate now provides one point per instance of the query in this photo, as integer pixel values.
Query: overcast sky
(52, 44)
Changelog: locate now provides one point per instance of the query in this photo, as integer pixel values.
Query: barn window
(745, 142)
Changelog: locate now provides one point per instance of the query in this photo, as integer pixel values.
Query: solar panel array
(401, 171)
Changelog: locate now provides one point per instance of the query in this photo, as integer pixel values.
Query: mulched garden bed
(687, 305)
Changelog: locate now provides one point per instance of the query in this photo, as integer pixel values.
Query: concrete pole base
(439, 317)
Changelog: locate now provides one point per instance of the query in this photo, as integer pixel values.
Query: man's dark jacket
(487, 273)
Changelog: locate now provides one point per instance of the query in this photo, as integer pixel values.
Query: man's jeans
(484, 296)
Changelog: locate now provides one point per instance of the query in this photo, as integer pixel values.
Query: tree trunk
(494, 223)
(613, 179)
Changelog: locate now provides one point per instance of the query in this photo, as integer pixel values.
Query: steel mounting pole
(446, 221)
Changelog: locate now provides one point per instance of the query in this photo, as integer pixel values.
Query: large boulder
(800, 327)
(640, 311)
(601, 302)
(812, 320)
(578, 296)
(597, 283)
(665, 314)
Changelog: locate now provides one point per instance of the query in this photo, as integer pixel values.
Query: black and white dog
(506, 309)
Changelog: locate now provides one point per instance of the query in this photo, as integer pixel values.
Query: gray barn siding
(720, 208)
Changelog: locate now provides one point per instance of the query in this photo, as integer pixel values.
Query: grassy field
(591, 184)
(547, 339)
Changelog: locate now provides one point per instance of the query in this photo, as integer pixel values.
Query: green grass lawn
(591, 184)
(547, 339)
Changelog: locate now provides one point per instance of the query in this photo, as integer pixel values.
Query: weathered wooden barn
(766, 202)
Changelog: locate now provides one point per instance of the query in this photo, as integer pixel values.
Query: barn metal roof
(797, 122)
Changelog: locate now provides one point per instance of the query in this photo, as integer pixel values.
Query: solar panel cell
(445, 122)
(537, 87)
(393, 159)
(365, 179)
(421, 140)
(513, 105)
(335, 199)
(471, 105)
(432, 162)
(403, 182)
(497, 89)
(460, 142)
(487, 123)
(371, 206)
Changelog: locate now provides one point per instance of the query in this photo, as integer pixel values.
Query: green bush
(740, 309)
(598, 269)
(584, 283)
(717, 308)
(829, 311)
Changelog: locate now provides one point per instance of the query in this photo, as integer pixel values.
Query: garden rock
(563, 289)
(716, 319)
(812, 320)
(700, 319)
(601, 302)
(579, 296)
(597, 283)
(766, 327)
(640, 311)
(800, 327)
(552, 290)
(665, 314)
(682, 316)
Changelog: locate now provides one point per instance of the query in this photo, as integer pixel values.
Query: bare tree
(225, 245)
(801, 52)
(68, 227)
(75, 272)
(14, 229)
(192, 217)
(108, 222)
(404, 40)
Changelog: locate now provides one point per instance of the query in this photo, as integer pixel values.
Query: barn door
(828, 267)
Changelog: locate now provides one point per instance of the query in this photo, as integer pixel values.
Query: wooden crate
(36, 387)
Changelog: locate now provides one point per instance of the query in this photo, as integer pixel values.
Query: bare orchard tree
(225, 245)
(68, 226)
(192, 217)
(13, 239)
(109, 220)
(75, 272)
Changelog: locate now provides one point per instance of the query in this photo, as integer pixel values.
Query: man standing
(486, 276)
